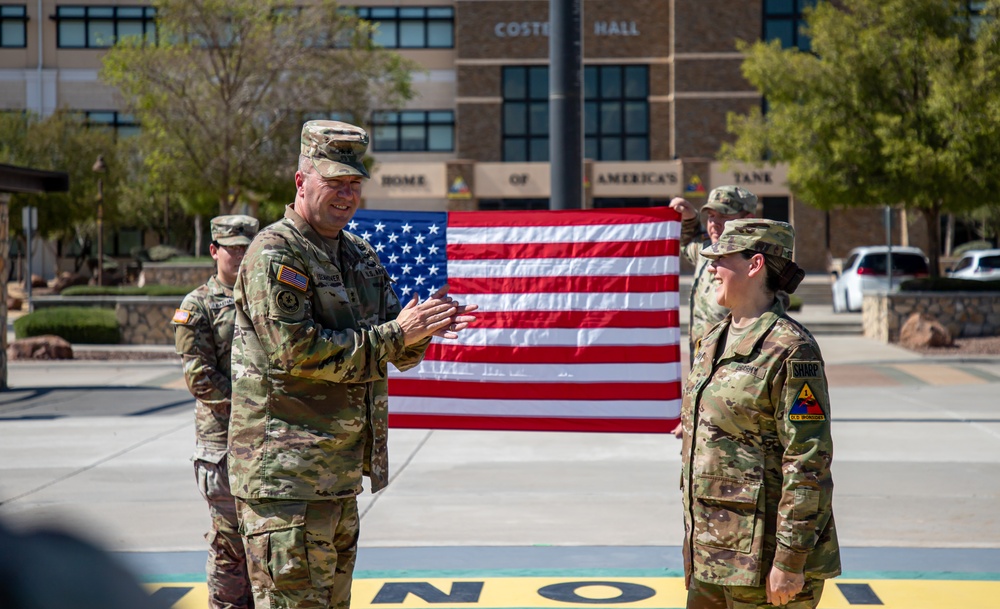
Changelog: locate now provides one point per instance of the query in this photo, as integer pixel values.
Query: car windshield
(902, 264)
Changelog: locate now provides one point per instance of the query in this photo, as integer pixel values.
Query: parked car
(864, 270)
(982, 265)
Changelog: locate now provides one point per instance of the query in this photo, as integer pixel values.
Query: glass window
(124, 125)
(783, 20)
(412, 27)
(615, 113)
(414, 131)
(13, 26)
(99, 27)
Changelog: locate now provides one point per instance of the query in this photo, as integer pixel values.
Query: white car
(981, 265)
(865, 271)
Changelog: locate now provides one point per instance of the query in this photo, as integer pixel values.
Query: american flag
(577, 327)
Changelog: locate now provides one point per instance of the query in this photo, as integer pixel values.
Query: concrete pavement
(103, 448)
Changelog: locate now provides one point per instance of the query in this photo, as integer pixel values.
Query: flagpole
(565, 107)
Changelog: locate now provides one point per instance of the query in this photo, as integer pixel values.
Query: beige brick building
(660, 77)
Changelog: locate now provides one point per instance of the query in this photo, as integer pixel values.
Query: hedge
(78, 325)
(949, 284)
(149, 290)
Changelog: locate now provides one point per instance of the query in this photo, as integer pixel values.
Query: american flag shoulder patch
(181, 316)
(290, 276)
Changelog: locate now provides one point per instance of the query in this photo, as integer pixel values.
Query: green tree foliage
(61, 142)
(898, 104)
(222, 93)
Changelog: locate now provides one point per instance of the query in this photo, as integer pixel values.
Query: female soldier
(758, 518)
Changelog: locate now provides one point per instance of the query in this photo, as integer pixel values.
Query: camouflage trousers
(226, 569)
(300, 553)
(703, 595)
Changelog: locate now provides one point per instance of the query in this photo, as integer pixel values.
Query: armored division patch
(290, 276)
(181, 316)
(807, 370)
(806, 407)
(288, 302)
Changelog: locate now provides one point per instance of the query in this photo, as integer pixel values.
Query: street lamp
(100, 168)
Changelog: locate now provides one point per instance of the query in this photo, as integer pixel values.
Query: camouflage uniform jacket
(313, 340)
(705, 311)
(756, 457)
(203, 336)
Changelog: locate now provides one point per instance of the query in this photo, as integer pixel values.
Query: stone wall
(963, 313)
(169, 273)
(144, 320)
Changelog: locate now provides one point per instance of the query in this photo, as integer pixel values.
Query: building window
(13, 26)
(123, 124)
(976, 16)
(783, 20)
(512, 204)
(98, 27)
(411, 27)
(615, 113)
(414, 131)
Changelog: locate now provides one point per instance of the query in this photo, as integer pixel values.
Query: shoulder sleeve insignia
(290, 276)
(806, 407)
(806, 370)
(288, 302)
(181, 316)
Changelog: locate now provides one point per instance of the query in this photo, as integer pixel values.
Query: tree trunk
(949, 236)
(932, 218)
(197, 235)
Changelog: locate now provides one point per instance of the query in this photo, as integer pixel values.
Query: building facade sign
(660, 179)
(407, 181)
(512, 180)
(764, 181)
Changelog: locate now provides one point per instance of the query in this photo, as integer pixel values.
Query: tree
(222, 92)
(62, 142)
(897, 104)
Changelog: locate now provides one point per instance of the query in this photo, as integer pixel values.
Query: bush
(794, 302)
(149, 290)
(970, 246)
(79, 325)
(949, 284)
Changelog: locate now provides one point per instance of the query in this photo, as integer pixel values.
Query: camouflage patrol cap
(768, 237)
(731, 200)
(234, 230)
(336, 148)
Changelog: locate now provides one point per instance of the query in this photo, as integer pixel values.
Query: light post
(100, 168)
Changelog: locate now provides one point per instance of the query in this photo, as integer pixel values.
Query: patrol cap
(335, 148)
(757, 235)
(731, 200)
(234, 230)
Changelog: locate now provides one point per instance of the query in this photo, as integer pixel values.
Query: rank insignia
(806, 407)
(290, 276)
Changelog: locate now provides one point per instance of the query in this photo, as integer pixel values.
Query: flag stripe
(573, 301)
(477, 389)
(574, 319)
(549, 267)
(589, 217)
(429, 421)
(593, 409)
(646, 354)
(527, 285)
(590, 249)
(565, 337)
(543, 373)
(556, 233)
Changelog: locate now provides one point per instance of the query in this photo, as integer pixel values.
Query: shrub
(794, 302)
(149, 290)
(80, 325)
(970, 246)
(949, 284)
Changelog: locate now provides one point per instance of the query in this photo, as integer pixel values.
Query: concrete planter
(144, 320)
(965, 314)
(174, 273)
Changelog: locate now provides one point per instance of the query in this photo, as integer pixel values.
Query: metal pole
(26, 217)
(565, 105)
(888, 241)
(100, 231)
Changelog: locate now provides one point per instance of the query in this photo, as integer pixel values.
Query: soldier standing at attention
(317, 324)
(756, 452)
(203, 335)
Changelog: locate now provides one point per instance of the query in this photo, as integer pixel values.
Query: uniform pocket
(725, 512)
(275, 535)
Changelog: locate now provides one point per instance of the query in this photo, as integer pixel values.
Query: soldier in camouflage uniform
(317, 324)
(724, 203)
(203, 334)
(756, 483)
